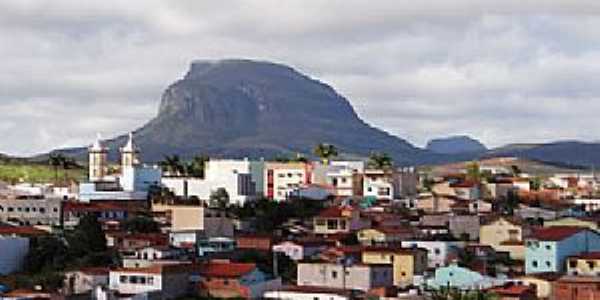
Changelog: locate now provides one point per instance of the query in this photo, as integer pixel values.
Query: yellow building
(570, 221)
(383, 235)
(504, 235)
(585, 264)
(406, 263)
(542, 283)
(196, 218)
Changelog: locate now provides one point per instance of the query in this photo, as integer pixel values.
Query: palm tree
(325, 152)
(172, 165)
(197, 165)
(56, 160)
(379, 160)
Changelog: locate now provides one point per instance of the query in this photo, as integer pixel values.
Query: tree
(515, 170)
(536, 183)
(88, 237)
(172, 165)
(196, 166)
(56, 160)
(474, 171)
(379, 160)
(219, 198)
(141, 224)
(325, 152)
(47, 253)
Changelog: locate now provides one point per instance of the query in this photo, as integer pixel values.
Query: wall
(13, 251)
(359, 277)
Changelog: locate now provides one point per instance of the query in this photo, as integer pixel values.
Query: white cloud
(502, 71)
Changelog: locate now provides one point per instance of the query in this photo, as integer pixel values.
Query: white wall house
(242, 179)
(171, 280)
(438, 252)
(12, 253)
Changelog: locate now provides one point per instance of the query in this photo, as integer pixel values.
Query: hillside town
(301, 229)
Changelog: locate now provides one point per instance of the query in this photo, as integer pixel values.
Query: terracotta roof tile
(555, 233)
(226, 269)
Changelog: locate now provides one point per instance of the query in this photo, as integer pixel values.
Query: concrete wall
(12, 254)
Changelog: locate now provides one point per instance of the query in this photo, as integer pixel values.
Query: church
(131, 183)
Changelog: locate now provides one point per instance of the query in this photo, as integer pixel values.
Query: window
(403, 274)
(150, 280)
(548, 247)
(436, 251)
(225, 282)
(548, 264)
(320, 222)
(331, 224)
(572, 263)
(451, 274)
(591, 264)
(534, 263)
(123, 279)
(333, 274)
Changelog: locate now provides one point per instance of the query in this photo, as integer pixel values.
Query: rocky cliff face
(235, 108)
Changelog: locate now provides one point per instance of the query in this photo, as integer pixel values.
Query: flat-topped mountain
(455, 145)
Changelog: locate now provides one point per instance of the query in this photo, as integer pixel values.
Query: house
(588, 204)
(389, 184)
(85, 280)
(384, 235)
(299, 250)
(281, 179)
(196, 218)
(467, 190)
(461, 278)
(215, 245)
(242, 179)
(146, 256)
(224, 279)
(576, 288)
(584, 264)
(591, 223)
(336, 219)
(296, 292)
(132, 241)
(464, 226)
(504, 234)
(13, 251)
(254, 242)
(407, 263)
(548, 248)
(439, 253)
(22, 294)
(30, 210)
(513, 292)
(346, 182)
(105, 212)
(352, 277)
(171, 280)
(541, 282)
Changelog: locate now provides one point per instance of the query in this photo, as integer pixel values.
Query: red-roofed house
(170, 280)
(85, 280)
(338, 219)
(224, 279)
(547, 249)
(514, 292)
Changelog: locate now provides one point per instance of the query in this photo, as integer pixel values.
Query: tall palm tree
(197, 165)
(380, 160)
(325, 152)
(56, 160)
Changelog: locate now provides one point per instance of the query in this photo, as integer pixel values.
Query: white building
(12, 253)
(282, 179)
(438, 252)
(172, 281)
(308, 293)
(133, 182)
(390, 184)
(242, 179)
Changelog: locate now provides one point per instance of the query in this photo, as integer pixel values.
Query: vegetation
(449, 293)
(15, 172)
(173, 165)
(379, 160)
(141, 224)
(325, 152)
(474, 172)
(219, 199)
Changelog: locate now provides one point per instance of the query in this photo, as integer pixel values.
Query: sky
(499, 71)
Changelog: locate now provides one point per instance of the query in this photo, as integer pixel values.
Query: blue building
(462, 278)
(547, 248)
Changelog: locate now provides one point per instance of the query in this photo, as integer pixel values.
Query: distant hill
(244, 108)
(565, 153)
(455, 145)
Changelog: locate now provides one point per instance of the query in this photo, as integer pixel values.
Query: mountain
(244, 108)
(562, 153)
(455, 145)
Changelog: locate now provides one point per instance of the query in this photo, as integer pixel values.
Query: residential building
(576, 288)
(504, 235)
(172, 281)
(548, 248)
(189, 218)
(296, 292)
(25, 210)
(467, 190)
(147, 256)
(384, 235)
(242, 179)
(462, 278)
(299, 250)
(541, 282)
(107, 213)
(215, 245)
(584, 264)
(407, 264)
(390, 184)
(590, 223)
(439, 253)
(514, 292)
(258, 242)
(13, 251)
(85, 280)
(223, 279)
(335, 219)
(281, 179)
(352, 277)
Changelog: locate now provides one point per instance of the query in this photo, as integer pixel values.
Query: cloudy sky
(501, 71)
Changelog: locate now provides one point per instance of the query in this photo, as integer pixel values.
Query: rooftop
(555, 233)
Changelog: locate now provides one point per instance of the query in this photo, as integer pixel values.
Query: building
(352, 277)
(390, 184)
(223, 279)
(296, 292)
(384, 235)
(171, 281)
(514, 292)
(336, 219)
(547, 249)
(194, 221)
(299, 250)
(254, 242)
(408, 264)
(108, 213)
(215, 245)
(439, 253)
(584, 264)
(242, 179)
(25, 210)
(462, 278)
(147, 256)
(282, 179)
(590, 223)
(576, 288)
(13, 251)
(132, 183)
(85, 280)
(504, 235)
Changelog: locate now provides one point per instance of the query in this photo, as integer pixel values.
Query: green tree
(325, 152)
(46, 253)
(536, 183)
(379, 160)
(141, 224)
(219, 199)
(172, 165)
(196, 166)
(56, 160)
(88, 237)
(474, 171)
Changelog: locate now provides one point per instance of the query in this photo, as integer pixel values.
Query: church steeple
(129, 153)
(97, 155)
